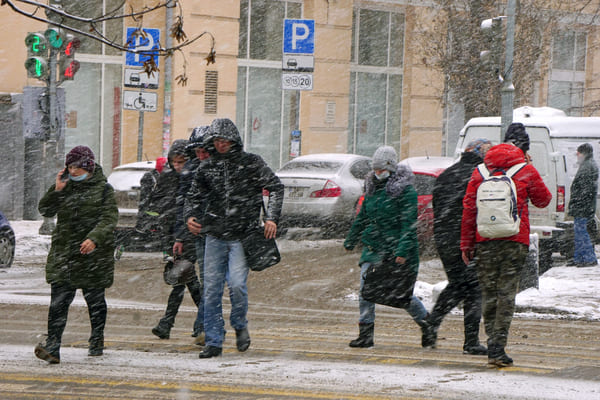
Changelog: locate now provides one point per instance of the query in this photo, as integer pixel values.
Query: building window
(211, 81)
(266, 115)
(567, 77)
(375, 80)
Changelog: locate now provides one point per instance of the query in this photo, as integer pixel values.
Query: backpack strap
(514, 169)
(483, 171)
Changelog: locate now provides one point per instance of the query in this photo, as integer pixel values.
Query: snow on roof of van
(427, 164)
(557, 122)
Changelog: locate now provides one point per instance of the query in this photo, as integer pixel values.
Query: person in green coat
(386, 226)
(82, 248)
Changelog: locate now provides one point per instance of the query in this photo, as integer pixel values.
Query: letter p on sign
(298, 36)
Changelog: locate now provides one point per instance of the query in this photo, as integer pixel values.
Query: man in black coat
(448, 193)
(582, 206)
(225, 203)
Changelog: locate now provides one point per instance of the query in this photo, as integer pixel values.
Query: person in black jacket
(448, 193)
(197, 154)
(225, 203)
(163, 202)
(582, 206)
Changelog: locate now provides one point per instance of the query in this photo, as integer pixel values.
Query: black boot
(210, 352)
(365, 336)
(429, 337)
(497, 357)
(48, 351)
(162, 331)
(96, 346)
(242, 339)
(475, 349)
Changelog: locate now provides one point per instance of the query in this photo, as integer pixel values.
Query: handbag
(389, 283)
(178, 272)
(261, 253)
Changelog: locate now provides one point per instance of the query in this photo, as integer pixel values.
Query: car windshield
(312, 166)
(126, 179)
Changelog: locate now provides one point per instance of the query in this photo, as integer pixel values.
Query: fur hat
(82, 157)
(585, 149)
(385, 157)
(517, 135)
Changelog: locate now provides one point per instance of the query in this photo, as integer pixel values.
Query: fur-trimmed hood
(396, 183)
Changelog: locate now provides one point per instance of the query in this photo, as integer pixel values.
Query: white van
(554, 140)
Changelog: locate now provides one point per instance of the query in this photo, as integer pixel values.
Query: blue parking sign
(150, 42)
(299, 36)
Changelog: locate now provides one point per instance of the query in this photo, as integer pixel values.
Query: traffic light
(55, 38)
(36, 63)
(68, 65)
(491, 57)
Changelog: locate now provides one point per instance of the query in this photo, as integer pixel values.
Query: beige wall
(422, 114)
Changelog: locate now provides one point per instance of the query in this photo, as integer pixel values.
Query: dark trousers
(463, 285)
(176, 298)
(499, 267)
(61, 297)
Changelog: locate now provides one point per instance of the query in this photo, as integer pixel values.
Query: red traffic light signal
(67, 63)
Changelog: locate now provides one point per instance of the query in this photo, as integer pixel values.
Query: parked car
(426, 170)
(125, 179)
(322, 190)
(7, 242)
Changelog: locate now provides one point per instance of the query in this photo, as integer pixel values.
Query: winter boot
(48, 351)
(365, 336)
(242, 339)
(497, 357)
(198, 335)
(475, 349)
(162, 331)
(96, 347)
(429, 337)
(210, 352)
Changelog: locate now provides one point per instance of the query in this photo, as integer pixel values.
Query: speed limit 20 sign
(291, 81)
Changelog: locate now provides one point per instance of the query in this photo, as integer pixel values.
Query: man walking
(463, 285)
(582, 206)
(225, 201)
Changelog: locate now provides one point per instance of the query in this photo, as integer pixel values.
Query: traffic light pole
(49, 160)
(508, 89)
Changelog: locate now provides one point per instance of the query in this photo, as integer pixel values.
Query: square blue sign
(299, 36)
(150, 42)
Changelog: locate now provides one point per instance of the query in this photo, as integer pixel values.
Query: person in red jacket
(499, 261)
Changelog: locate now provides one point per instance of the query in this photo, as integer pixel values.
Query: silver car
(322, 189)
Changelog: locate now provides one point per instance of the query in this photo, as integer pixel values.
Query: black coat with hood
(448, 192)
(584, 189)
(226, 193)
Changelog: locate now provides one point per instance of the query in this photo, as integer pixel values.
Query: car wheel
(7, 248)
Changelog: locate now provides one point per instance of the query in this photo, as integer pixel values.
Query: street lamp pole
(508, 89)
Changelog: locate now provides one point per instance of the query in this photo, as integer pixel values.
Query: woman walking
(386, 226)
(81, 254)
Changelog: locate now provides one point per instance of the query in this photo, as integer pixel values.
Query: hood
(178, 148)
(396, 183)
(226, 129)
(503, 156)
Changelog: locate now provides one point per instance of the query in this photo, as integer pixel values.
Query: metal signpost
(298, 62)
(136, 77)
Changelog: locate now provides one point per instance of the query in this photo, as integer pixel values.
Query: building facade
(369, 86)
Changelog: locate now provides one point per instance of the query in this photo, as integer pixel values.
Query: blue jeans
(584, 249)
(224, 261)
(415, 309)
(200, 243)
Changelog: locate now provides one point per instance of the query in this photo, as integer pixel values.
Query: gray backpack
(497, 214)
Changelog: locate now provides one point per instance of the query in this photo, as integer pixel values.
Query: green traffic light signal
(36, 43)
(36, 67)
(55, 37)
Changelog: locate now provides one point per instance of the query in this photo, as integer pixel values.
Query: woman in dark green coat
(386, 226)
(81, 253)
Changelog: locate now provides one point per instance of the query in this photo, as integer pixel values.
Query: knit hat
(517, 135)
(82, 157)
(478, 147)
(585, 149)
(385, 157)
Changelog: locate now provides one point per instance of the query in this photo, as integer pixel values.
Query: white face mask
(383, 175)
(78, 178)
